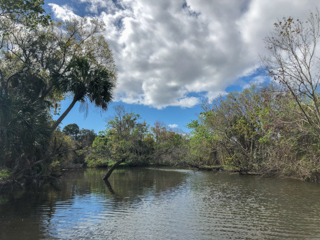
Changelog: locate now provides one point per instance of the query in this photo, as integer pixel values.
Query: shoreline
(11, 186)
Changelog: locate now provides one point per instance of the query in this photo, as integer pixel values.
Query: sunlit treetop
(29, 12)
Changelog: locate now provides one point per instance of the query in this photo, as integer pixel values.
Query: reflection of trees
(39, 210)
(138, 182)
(128, 182)
(23, 213)
(20, 214)
(109, 186)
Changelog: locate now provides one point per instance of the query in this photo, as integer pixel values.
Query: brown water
(150, 203)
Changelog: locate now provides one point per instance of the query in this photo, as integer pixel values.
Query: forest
(271, 129)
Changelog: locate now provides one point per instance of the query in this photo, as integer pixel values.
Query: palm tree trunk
(55, 125)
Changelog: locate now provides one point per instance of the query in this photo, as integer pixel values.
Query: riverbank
(313, 177)
(11, 186)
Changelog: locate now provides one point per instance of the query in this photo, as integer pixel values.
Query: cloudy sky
(172, 54)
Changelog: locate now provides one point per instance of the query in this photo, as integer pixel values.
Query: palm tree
(96, 85)
(37, 67)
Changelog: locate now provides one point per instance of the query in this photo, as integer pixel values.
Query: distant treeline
(260, 129)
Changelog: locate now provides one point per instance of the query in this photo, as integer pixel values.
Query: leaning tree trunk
(55, 125)
(112, 168)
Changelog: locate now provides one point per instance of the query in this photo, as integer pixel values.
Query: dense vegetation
(128, 140)
(42, 62)
(257, 130)
(271, 129)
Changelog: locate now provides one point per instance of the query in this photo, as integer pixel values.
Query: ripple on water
(170, 204)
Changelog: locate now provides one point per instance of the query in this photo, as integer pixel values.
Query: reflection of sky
(198, 206)
(72, 214)
(93, 216)
(100, 213)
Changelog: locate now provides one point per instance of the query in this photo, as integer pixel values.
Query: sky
(173, 55)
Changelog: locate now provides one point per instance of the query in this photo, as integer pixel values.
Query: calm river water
(161, 203)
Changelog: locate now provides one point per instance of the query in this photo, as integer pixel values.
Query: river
(163, 203)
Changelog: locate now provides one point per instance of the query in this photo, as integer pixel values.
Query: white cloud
(62, 12)
(256, 81)
(95, 5)
(165, 51)
(172, 125)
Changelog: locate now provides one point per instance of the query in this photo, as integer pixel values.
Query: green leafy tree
(28, 12)
(72, 130)
(86, 137)
(125, 140)
(99, 152)
(202, 142)
(170, 147)
(69, 57)
(38, 68)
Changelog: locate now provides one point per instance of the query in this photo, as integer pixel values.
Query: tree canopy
(293, 62)
(39, 67)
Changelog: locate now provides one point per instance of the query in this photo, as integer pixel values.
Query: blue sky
(171, 55)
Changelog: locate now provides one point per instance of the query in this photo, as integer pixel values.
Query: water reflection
(144, 203)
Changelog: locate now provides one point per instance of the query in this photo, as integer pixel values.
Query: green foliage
(23, 128)
(28, 12)
(259, 129)
(38, 67)
(170, 147)
(4, 174)
(126, 139)
(98, 152)
(202, 141)
(86, 137)
(93, 161)
(71, 130)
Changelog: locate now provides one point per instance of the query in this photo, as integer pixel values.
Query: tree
(24, 124)
(68, 57)
(228, 131)
(82, 139)
(293, 46)
(256, 130)
(86, 137)
(126, 137)
(38, 67)
(72, 130)
(170, 147)
(18, 13)
(99, 152)
(95, 84)
(202, 142)
(28, 12)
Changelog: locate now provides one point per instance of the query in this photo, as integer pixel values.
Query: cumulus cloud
(256, 81)
(172, 53)
(172, 125)
(64, 12)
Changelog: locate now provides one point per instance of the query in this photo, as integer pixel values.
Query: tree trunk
(55, 125)
(112, 168)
